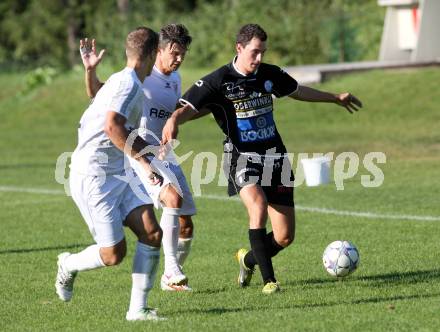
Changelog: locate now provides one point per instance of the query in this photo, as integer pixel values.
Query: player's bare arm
(346, 100)
(90, 61)
(200, 113)
(118, 134)
(181, 115)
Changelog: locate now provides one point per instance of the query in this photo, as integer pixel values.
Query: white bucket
(316, 170)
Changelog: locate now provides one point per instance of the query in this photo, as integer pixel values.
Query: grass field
(396, 288)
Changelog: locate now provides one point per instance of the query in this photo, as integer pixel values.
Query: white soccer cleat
(174, 283)
(65, 279)
(145, 314)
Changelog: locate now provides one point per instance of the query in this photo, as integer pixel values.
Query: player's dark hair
(141, 42)
(249, 31)
(174, 33)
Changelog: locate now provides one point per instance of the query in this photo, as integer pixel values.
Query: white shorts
(172, 174)
(104, 203)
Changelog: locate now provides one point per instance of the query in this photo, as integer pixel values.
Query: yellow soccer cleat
(245, 275)
(271, 288)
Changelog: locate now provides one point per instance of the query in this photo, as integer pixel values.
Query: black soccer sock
(272, 246)
(249, 260)
(272, 249)
(257, 239)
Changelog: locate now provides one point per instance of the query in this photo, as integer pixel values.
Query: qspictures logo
(208, 168)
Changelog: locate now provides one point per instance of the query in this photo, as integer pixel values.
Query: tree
(34, 32)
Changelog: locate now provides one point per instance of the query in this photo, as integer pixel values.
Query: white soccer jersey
(162, 93)
(95, 153)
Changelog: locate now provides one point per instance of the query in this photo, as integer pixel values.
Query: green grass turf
(396, 288)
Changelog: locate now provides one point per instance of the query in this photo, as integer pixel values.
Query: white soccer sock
(183, 249)
(169, 222)
(88, 259)
(145, 264)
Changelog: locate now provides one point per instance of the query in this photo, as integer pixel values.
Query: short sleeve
(123, 97)
(199, 95)
(283, 83)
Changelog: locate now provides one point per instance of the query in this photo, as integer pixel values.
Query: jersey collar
(238, 70)
(133, 73)
(157, 70)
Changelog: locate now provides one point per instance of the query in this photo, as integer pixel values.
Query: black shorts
(273, 174)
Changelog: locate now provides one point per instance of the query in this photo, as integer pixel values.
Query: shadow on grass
(387, 299)
(410, 277)
(28, 250)
(213, 290)
(218, 310)
(371, 300)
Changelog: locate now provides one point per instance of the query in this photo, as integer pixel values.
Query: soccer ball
(340, 258)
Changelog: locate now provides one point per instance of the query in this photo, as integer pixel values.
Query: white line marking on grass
(339, 212)
(368, 214)
(12, 189)
(51, 200)
(359, 214)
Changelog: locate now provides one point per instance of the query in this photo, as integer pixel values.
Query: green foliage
(300, 32)
(35, 33)
(39, 76)
(293, 39)
(353, 30)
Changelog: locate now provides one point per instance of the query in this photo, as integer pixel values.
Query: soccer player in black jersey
(239, 95)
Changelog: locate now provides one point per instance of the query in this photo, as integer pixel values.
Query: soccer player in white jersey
(162, 90)
(99, 184)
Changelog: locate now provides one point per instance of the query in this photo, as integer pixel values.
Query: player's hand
(350, 102)
(155, 178)
(87, 50)
(149, 151)
(169, 131)
(165, 149)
